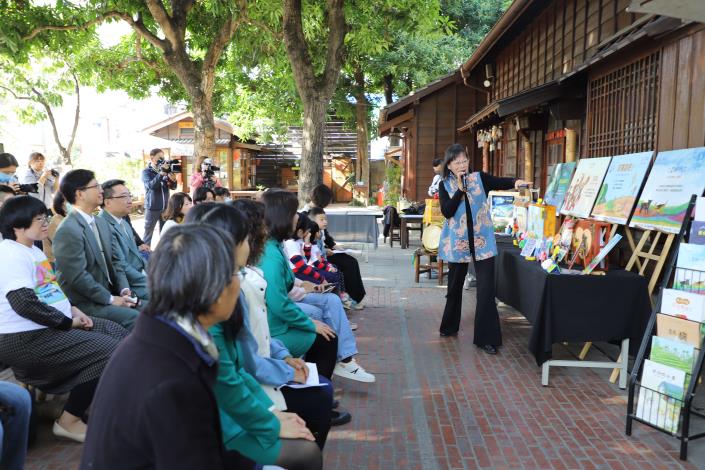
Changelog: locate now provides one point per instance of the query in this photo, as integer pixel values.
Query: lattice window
(622, 108)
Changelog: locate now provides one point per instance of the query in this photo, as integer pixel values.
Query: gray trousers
(123, 316)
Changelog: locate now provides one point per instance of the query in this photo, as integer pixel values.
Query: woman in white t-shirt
(47, 342)
(177, 208)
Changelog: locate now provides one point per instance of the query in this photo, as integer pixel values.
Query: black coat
(154, 406)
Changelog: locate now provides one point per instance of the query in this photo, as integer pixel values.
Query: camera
(29, 188)
(170, 166)
(54, 173)
(208, 169)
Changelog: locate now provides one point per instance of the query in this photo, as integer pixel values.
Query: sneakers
(347, 304)
(356, 306)
(353, 326)
(353, 371)
(470, 281)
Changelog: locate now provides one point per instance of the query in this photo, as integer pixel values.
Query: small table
(407, 219)
(573, 308)
(245, 194)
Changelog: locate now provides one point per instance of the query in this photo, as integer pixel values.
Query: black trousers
(350, 268)
(313, 405)
(487, 328)
(324, 354)
(80, 398)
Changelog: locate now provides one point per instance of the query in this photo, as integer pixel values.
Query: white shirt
(433, 189)
(87, 217)
(293, 248)
(26, 267)
(254, 287)
(167, 225)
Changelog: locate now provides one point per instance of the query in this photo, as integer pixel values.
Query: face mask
(5, 178)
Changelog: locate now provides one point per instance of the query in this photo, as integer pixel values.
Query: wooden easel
(640, 259)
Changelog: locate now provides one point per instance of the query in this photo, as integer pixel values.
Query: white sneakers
(353, 371)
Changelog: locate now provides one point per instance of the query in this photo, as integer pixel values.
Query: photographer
(204, 174)
(158, 179)
(46, 180)
(8, 167)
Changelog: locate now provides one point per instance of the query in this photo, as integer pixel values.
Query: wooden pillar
(486, 157)
(528, 157)
(571, 143)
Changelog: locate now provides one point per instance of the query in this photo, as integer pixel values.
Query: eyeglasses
(124, 196)
(42, 219)
(86, 188)
(461, 162)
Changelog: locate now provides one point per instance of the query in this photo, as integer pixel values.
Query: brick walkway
(443, 404)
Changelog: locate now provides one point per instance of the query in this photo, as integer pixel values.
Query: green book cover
(670, 352)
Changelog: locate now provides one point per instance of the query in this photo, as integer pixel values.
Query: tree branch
(69, 147)
(221, 41)
(137, 25)
(15, 95)
(336, 38)
(47, 108)
(297, 48)
(171, 30)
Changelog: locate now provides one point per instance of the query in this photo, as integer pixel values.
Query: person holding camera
(46, 180)
(468, 236)
(158, 179)
(8, 168)
(204, 175)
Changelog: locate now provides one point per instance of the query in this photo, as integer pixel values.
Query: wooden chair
(420, 268)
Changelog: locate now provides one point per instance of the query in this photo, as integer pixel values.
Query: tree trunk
(361, 117)
(203, 126)
(311, 172)
(388, 89)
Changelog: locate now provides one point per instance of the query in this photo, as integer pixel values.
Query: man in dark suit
(117, 204)
(89, 268)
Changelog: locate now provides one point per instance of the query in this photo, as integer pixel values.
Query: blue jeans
(15, 410)
(329, 309)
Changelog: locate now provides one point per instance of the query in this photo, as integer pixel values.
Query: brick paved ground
(443, 404)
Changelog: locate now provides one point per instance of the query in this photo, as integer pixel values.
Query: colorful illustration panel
(585, 186)
(621, 186)
(559, 183)
(674, 178)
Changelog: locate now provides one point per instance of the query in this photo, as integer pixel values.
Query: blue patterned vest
(454, 246)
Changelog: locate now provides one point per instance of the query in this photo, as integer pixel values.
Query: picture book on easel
(675, 176)
(584, 186)
(621, 186)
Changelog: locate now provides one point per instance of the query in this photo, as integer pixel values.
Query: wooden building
(234, 157)
(567, 79)
(427, 122)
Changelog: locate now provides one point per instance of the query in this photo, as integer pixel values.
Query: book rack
(672, 415)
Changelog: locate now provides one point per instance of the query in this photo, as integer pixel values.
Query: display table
(407, 219)
(354, 226)
(573, 308)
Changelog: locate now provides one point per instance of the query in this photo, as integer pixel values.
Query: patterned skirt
(55, 361)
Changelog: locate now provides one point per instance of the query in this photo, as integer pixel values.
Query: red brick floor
(443, 404)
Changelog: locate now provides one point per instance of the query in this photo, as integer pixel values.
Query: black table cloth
(572, 308)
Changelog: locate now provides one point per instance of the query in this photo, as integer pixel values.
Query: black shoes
(445, 335)
(339, 417)
(489, 349)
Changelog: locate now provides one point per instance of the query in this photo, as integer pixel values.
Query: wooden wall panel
(667, 96)
(696, 128)
(561, 37)
(684, 71)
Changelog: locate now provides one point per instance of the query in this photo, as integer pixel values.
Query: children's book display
(621, 186)
(697, 227)
(675, 176)
(585, 187)
(676, 335)
(558, 184)
(502, 209)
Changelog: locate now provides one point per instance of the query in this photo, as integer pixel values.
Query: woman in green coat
(287, 322)
(249, 422)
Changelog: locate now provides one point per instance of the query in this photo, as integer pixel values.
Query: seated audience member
(249, 425)
(177, 208)
(48, 343)
(348, 265)
(6, 192)
(155, 405)
(15, 410)
(117, 204)
(222, 194)
(47, 183)
(287, 322)
(276, 365)
(8, 171)
(58, 211)
(203, 194)
(87, 261)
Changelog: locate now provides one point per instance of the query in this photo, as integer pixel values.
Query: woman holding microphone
(468, 236)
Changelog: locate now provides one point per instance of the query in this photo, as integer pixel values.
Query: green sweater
(287, 322)
(242, 404)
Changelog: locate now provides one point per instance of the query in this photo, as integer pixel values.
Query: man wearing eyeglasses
(117, 205)
(89, 267)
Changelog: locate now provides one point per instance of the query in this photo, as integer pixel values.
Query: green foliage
(392, 185)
